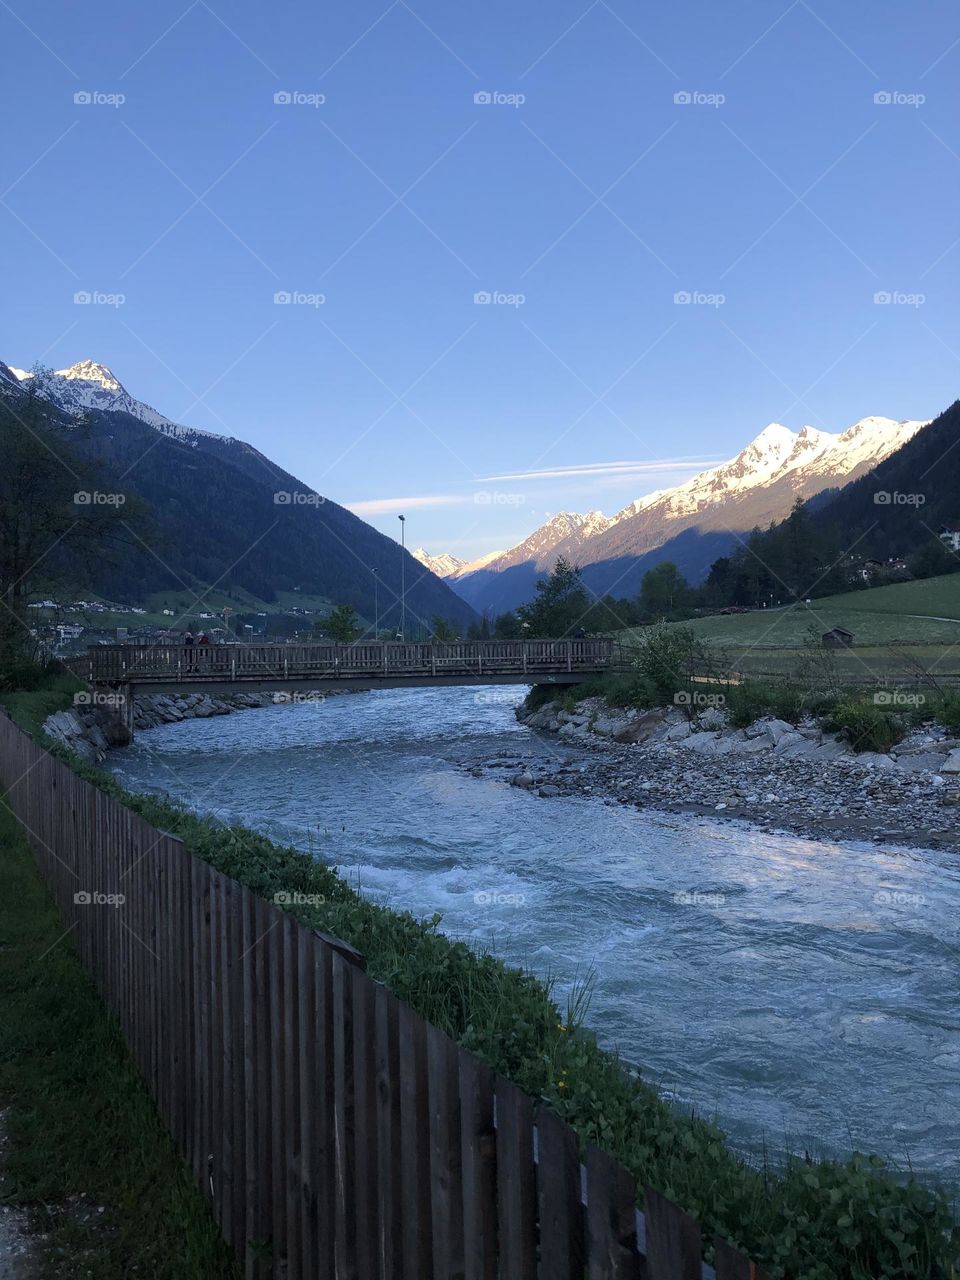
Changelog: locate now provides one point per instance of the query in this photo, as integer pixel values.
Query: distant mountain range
(691, 524)
(222, 513)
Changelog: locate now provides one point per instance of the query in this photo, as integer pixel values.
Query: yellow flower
(561, 1084)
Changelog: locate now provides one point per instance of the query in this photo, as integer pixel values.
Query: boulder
(952, 762)
(778, 729)
(922, 762)
(641, 727)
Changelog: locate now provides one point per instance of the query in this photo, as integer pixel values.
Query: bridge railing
(130, 663)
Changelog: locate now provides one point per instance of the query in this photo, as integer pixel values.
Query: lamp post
(403, 576)
(376, 604)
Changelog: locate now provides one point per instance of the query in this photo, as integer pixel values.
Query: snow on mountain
(757, 485)
(88, 385)
(560, 536)
(443, 565)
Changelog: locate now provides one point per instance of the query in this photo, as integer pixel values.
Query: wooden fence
(333, 1132)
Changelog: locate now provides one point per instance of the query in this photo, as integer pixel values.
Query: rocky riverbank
(773, 774)
(90, 728)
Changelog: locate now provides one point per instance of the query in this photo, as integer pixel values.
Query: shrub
(750, 700)
(865, 726)
(666, 659)
(946, 709)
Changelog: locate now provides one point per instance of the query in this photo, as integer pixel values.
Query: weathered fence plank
(417, 1225)
(478, 1141)
(558, 1199)
(673, 1240)
(517, 1187)
(611, 1219)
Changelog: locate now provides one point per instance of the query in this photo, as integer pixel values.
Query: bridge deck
(391, 663)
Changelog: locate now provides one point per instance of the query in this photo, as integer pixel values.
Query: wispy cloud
(386, 506)
(624, 470)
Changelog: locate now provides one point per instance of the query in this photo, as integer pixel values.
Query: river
(800, 992)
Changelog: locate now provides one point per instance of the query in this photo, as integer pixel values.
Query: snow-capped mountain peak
(756, 486)
(89, 385)
(443, 565)
(90, 371)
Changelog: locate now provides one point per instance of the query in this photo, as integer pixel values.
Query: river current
(802, 993)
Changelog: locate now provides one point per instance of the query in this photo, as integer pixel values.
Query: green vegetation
(86, 1153)
(798, 1219)
(865, 726)
(341, 624)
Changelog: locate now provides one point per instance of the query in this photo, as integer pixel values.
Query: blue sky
(583, 197)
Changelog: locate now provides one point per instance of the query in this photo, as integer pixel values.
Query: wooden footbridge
(393, 664)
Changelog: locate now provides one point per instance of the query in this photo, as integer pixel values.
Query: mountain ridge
(756, 486)
(196, 483)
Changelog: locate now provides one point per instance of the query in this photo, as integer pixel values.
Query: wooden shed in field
(837, 638)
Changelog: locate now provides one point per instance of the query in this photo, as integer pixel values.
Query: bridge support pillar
(114, 705)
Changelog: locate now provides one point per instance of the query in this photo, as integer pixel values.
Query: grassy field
(86, 1153)
(898, 631)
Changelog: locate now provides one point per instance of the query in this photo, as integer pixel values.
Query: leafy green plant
(865, 726)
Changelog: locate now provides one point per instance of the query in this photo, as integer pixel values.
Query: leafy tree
(560, 605)
(933, 558)
(507, 627)
(443, 630)
(663, 591)
(342, 624)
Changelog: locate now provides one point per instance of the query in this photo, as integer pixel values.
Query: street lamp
(403, 578)
(376, 604)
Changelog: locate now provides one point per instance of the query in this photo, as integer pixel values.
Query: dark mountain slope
(213, 519)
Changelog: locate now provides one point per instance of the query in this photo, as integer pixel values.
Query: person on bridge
(188, 643)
